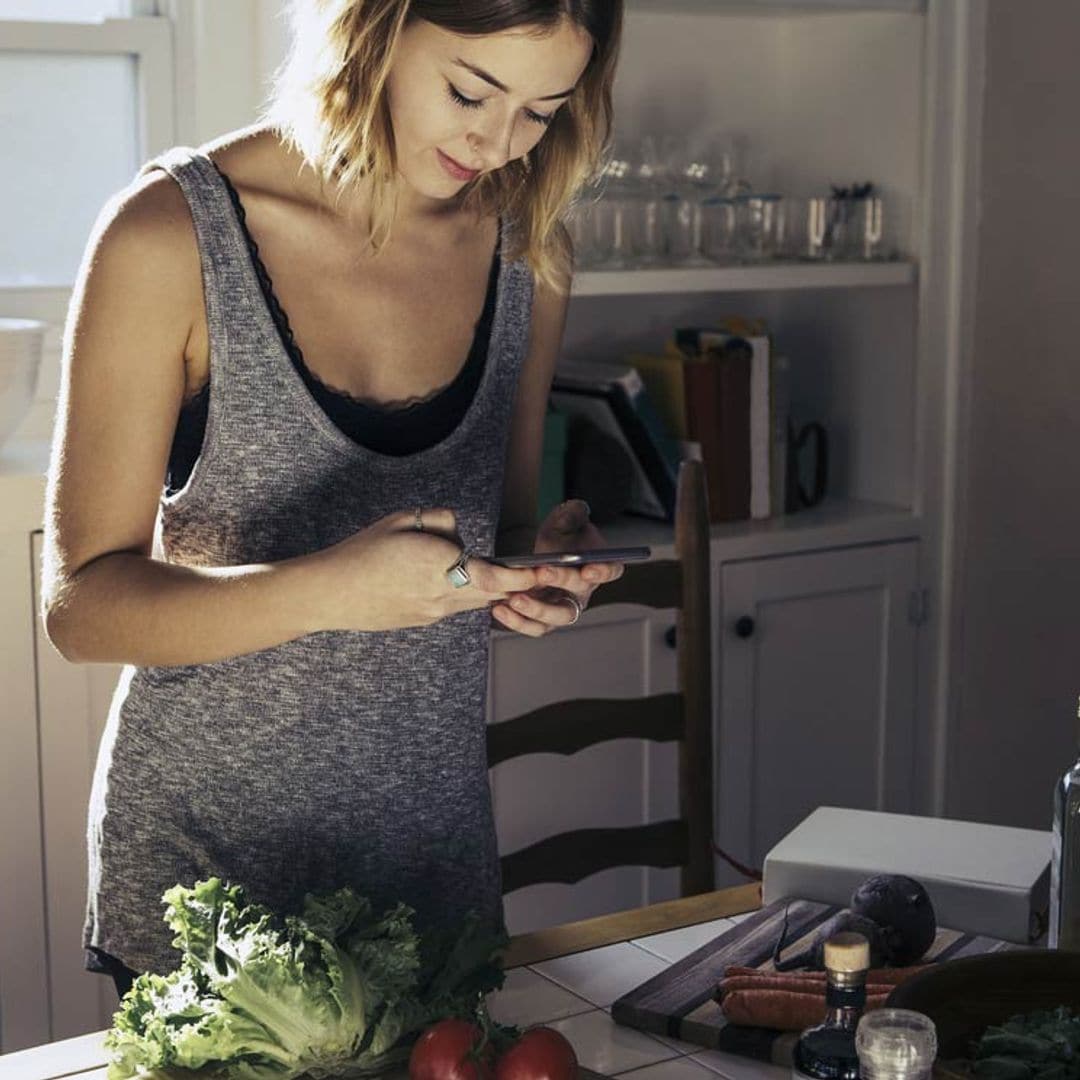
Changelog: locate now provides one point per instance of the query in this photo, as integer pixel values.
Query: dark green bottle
(827, 1051)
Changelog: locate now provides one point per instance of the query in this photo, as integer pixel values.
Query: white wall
(1016, 661)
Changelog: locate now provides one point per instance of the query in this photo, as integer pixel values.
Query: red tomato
(443, 1053)
(540, 1054)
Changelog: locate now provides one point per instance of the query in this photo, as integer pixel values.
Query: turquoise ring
(457, 575)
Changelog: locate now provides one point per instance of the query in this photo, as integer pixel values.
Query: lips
(456, 168)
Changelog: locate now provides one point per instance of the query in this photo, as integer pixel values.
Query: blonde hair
(329, 101)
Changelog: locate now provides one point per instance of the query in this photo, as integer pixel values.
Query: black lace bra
(395, 430)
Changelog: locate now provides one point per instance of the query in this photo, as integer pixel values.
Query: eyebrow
(481, 74)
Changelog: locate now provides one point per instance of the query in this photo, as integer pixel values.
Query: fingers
(577, 579)
(437, 520)
(500, 581)
(571, 517)
(537, 613)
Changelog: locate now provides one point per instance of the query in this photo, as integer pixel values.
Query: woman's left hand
(552, 603)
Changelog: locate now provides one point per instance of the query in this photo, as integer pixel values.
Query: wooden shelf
(743, 278)
(837, 522)
(772, 7)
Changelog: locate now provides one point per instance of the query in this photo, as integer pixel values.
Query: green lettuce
(334, 991)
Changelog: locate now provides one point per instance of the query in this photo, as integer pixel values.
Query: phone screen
(576, 558)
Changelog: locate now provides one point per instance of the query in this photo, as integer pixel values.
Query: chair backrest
(566, 727)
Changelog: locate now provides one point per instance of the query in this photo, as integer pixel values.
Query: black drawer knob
(671, 637)
(744, 626)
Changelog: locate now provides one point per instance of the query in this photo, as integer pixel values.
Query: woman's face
(475, 102)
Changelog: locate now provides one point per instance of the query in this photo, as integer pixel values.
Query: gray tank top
(340, 758)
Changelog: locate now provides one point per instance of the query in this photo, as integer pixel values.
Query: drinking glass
(613, 215)
(867, 228)
(758, 225)
(803, 227)
(697, 174)
(649, 176)
(719, 229)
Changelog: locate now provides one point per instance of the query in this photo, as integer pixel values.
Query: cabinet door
(73, 704)
(24, 1011)
(816, 696)
(612, 652)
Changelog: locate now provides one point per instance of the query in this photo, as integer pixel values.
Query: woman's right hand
(391, 575)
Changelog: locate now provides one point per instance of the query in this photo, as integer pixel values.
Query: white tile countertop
(568, 989)
(574, 994)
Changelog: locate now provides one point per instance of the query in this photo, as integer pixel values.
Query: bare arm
(105, 598)
(540, 611)
(517, 517)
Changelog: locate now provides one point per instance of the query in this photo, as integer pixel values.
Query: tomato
(443, 1053)
(540, 1054)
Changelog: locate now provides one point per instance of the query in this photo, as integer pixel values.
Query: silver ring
(457, 575)
(419, 522)
(578, 609)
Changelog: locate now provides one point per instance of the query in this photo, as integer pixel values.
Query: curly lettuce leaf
(333, 991)
(170, 1022)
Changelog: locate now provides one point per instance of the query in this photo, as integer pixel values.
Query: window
(86, 94)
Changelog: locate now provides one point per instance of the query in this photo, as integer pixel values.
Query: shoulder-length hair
(329, 102)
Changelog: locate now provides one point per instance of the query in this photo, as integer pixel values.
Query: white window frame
(147, 37)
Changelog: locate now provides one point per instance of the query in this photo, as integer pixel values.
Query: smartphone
(577, 558)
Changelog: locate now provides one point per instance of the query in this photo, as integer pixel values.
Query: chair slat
(566, 727)
(654, 584)
(571, 856)
(569, 726)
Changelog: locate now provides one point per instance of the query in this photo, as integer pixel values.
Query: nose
(491, 145)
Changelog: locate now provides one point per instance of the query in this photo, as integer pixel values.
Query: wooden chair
(566, 727)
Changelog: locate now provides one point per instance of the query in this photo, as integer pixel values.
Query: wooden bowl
(964, 997)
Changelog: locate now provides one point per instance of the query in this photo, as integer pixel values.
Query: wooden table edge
(555, 941)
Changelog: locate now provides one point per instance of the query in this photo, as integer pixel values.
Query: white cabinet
(816, 702)
(24, 991)
(73, 704)
(52, 719)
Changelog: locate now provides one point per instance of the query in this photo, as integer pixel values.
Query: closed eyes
(459, 98)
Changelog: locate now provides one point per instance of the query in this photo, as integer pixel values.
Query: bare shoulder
(144, 240)
(257, 161)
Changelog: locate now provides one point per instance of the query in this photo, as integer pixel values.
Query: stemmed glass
(613, 213)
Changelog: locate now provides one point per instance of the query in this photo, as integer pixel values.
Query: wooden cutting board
(679, 1001)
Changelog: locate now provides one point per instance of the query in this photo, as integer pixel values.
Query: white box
(982, 879)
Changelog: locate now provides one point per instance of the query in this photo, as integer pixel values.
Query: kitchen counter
(566, 977)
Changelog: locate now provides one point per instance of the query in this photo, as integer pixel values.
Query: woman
(304, 608)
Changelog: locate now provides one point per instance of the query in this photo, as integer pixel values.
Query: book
(666, 385)
(761, 458)
(615, 398)
(718, 417)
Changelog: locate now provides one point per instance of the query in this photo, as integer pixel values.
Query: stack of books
(719, 394)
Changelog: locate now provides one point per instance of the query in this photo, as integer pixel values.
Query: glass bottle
(1064, 930)
(827, 1051)
(896, 1044)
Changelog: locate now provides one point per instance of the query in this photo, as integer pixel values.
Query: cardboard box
(983, 879)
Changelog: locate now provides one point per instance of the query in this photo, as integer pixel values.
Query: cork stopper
(847, 952)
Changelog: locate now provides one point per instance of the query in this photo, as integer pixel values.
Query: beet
(902, 909)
